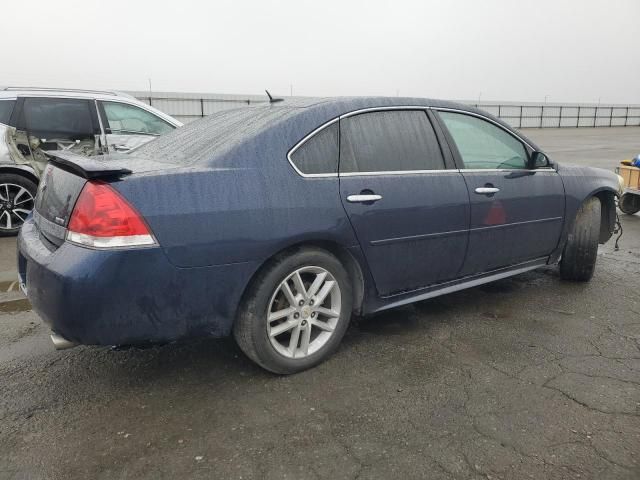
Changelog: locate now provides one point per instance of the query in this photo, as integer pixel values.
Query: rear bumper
(126, 297)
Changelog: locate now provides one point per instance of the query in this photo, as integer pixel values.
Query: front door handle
(487, 190)
(121, 148)
(364, 198)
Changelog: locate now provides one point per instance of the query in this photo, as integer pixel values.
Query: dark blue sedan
(278, 223)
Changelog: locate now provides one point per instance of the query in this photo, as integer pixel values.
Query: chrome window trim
(382, 109)
(409, 172)
(393, 172)
(397, 172)
(483, 117)
(302, 142)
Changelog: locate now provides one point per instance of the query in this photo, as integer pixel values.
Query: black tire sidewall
(626, 203)
(581, 249)
(258, 303)
(23, 181)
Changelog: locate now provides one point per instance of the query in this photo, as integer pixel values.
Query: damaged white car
(34, 121)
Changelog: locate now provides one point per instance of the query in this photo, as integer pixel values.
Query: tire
(581, 250)
(266, 297)
(17, 199)
(629, 203)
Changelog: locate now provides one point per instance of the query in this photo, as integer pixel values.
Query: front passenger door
(128, 126)
(516, 212)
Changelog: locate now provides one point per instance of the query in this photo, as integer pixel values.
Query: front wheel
(295, 312)
(581, 250)
(17, 199)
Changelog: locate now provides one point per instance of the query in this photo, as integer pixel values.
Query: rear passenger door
(516, 211)
(129, 126)
(409, 211)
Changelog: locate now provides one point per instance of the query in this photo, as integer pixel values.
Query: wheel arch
(22, 170)
(607, 212)
(351, 264)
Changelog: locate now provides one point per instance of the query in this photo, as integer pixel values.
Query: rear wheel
(17, 200)
(581, 250)
(295, 312)
(629, 203)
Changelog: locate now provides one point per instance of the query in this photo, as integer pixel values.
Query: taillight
(102, 218)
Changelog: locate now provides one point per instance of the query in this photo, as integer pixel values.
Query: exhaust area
(61, 343)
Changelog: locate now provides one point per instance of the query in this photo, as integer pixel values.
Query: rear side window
(129, 119)
(6, 107)
(389, 141)
(57, 118)
(319, 154)
(482, 144)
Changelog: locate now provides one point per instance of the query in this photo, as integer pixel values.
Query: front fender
(581, 183)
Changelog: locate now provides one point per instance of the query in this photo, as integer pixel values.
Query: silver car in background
(87, 122)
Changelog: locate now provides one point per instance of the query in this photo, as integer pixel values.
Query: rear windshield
(6, 107)
(201, 141)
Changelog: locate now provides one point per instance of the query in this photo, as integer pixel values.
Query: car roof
(268, 128)
(8, 93)
(348, 104)
(13, 92)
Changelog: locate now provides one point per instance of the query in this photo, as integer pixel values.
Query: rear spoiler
(87, 167)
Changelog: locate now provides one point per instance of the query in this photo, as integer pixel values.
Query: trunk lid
(64, 178)
(57, 194)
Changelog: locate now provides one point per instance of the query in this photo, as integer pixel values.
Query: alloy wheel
(16, 202)
(303, 312)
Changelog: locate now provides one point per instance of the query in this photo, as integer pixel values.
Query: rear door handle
(364, 198)
(487, 190)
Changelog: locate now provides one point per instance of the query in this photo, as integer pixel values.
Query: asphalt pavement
(528, 377)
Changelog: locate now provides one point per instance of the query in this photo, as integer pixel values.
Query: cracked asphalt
(528, 377)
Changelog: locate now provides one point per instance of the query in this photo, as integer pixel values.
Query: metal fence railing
(189, 107)
(558, 116)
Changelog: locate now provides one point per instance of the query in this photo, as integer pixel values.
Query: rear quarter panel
(222, 216)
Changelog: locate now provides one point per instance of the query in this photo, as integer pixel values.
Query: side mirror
(540, 160)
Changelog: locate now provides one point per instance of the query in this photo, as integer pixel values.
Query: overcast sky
(567, 50)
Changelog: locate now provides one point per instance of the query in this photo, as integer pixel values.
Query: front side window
(58, 118)
(6, 107)
(393, 140)
(319, 154)
(482, 144)
(129, 119)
